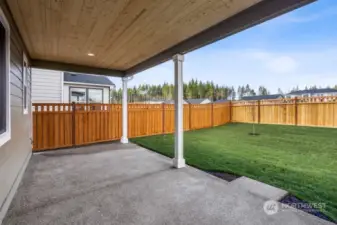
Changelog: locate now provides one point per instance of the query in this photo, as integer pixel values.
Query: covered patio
(122, 38)
(127, 184)
(118, 184)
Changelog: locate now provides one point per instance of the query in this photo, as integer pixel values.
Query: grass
(301, 160)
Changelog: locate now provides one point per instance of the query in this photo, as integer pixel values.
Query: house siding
(106, 91)
(16, 152)
(47, 86)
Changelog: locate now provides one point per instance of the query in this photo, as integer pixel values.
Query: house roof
(86, 78)
(172, 102)
(221, 101)
(313, 91)
(261, 97)
(196, 100)
(121, 38)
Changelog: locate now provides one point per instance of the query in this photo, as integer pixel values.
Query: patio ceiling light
(91, 54)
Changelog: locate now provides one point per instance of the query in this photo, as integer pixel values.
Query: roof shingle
(88, 79)
(261, 97)
(313, 91)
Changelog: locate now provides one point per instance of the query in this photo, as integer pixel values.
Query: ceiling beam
(75, 68)
(262, 11)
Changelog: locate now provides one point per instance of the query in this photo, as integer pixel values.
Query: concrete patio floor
(126, 184)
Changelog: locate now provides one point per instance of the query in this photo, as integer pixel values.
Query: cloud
(276, 63)
(283, 64)
(256, 67)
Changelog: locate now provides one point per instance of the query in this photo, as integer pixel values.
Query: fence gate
(68, 125)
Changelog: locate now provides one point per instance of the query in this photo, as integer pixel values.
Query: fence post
(73, 127)
(190, 115)
(230, 111)
(147, 118)
(258, 111)
(296, 112)
(212, 114)
(163, 119)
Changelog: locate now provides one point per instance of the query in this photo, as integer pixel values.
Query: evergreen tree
(263, 91)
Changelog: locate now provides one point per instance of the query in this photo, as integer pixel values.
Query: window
(25, 85)
(4, 81)
(86, 95)
(95, 96)
(78, 95)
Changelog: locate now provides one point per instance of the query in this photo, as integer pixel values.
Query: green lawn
(302, 160)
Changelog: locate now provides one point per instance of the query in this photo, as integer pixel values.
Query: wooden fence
(68, 125)
(317, 111)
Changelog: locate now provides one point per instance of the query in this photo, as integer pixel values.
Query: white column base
(124, 140)
(179, 163)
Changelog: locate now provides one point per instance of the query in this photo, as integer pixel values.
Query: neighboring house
(221, 101)
(262, 97)
(172, 102)
(198, 101)
(84, 88)
(313, 93)
(149, 102)
(158, 102)
(62, 87)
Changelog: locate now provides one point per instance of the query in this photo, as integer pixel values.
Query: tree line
(193, 89)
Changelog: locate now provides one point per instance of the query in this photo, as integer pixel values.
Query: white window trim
(25, 83)
(6, 136)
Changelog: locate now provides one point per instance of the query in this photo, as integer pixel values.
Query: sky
(296, 49)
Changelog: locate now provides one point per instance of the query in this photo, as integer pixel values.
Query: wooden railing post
(73, 126)
(296, 112)
(258, 111)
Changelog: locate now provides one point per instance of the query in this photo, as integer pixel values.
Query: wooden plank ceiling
(120, 33)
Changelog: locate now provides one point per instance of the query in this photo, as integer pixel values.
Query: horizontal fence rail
(69, 125)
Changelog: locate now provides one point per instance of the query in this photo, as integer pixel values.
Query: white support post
(124, 139)
(178, 161)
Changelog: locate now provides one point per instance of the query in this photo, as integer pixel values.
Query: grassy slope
(302, 160)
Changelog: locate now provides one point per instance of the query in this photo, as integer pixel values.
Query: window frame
(86, 93)
(25, 102)
(100, 89)
(6, 136)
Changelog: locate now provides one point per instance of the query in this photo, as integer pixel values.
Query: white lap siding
(47, 86)
(15, 153)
